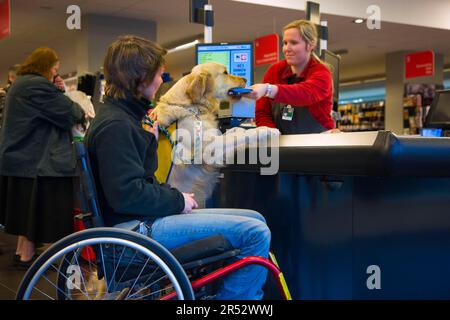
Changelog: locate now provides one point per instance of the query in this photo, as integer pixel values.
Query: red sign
(267, 49)
(419, 64)
(5, 19)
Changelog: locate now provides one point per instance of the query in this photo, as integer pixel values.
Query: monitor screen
(439, 114)
(238, 58)
(333, 61)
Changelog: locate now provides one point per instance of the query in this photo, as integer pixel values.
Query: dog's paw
(237, 131)
(273, 132)
(83, 100)
(162, 117)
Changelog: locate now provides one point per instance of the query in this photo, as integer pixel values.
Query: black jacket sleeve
(120, 161)
(2, 105)
(54, 106)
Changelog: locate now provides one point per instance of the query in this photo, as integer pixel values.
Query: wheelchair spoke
(86, 294)
(148, 287)
(142, 269)
(90, 272)
(104, 266)
(81, 269)
(115, 269)
(114, 263)
(81, 273)
(55, 286)
(138, 270)
(126, 269)
(158, 291)
(43, 293)
(151, 276)
(82, 294)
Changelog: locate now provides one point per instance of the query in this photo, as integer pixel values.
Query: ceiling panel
(33, 25)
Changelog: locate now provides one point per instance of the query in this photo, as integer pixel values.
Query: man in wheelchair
(123, 158)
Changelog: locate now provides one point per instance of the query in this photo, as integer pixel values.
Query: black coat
(2, 103)
(124, 160)
(36, 138)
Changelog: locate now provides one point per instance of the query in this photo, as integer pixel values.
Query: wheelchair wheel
(127, 266)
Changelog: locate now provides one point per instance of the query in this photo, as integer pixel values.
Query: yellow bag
(165, 148)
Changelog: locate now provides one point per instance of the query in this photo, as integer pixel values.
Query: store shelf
(356, 117)
(412, 114)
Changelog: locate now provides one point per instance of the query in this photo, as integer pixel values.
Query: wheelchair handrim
(104, 240)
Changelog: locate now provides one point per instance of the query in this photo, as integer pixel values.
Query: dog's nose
(245, 80)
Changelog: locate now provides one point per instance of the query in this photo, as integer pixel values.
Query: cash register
(437, 122)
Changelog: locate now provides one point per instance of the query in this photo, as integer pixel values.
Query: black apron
(302, 121)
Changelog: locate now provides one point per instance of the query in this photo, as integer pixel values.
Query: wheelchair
(101, 263)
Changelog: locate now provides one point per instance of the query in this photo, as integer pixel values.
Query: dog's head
(211, 81)
(203, 88)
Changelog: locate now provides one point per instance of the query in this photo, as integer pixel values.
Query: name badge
(288, 113)
(198, 135)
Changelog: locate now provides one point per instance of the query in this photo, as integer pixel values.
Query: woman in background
(37, 159)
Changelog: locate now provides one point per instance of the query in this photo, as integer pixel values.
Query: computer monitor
(439, 114)
(333, 61)
(238, 58)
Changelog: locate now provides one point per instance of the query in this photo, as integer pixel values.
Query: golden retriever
(196, 97)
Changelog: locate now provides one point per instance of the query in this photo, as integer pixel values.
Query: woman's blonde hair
(130, 62)
(40, 61)
(308, 32)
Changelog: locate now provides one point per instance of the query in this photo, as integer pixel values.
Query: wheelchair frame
(88, 191)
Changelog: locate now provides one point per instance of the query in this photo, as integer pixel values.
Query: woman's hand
(189, 202)
(59, 83)
(260, 89)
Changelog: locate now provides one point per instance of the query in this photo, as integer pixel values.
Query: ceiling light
(358, 21)
(183, 46)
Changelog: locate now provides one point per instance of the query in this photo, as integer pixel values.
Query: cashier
(296, 96)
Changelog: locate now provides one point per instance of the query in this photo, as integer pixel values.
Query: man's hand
(153, 129)
(189, 202)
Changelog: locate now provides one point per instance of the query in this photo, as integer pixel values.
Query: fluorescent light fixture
(183, 46)
(358, 21)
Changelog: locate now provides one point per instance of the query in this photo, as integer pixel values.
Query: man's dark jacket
(36, 137)
(124, 160)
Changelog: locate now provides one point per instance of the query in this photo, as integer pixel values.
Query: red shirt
(313, 89)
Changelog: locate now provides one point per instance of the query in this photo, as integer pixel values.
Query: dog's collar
(195, 111)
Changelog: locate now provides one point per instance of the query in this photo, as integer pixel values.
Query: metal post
(208, 29)
(323, 37)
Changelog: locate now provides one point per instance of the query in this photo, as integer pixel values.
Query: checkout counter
(344, 205)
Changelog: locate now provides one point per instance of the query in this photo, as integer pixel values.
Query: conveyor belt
(379, 153)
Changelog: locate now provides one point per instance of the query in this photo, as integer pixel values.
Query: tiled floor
(10, 277)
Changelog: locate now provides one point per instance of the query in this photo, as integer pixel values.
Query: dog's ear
(200, 85)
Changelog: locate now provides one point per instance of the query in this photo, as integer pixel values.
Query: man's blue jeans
(245, 229)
